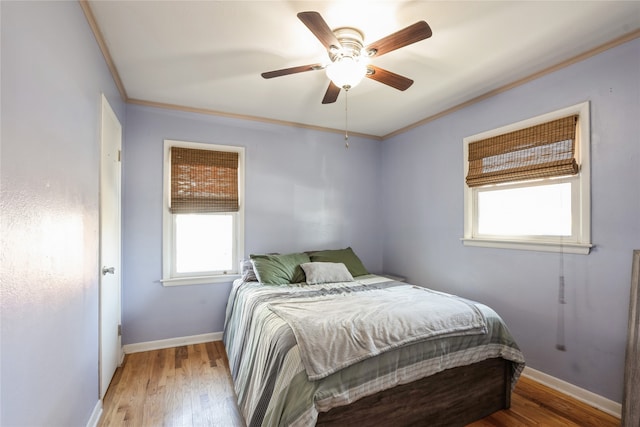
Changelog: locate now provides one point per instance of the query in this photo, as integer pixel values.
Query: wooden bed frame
(454, 397)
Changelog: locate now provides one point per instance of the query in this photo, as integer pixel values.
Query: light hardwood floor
(191, 386)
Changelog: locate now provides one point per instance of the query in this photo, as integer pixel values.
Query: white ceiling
(209, 54)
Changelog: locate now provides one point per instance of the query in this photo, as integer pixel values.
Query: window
(203, 213)
(527, 185)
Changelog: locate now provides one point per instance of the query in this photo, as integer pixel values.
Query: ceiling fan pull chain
(346, 117)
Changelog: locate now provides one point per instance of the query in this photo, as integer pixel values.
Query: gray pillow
(326, 272)
(346, 256)
(247, 271)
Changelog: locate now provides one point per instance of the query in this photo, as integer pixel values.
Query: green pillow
(280, 269)
(345, 256)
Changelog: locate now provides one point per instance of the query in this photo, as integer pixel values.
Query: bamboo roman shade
(203, 181)
(540, 151)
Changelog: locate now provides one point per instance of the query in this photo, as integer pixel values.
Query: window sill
(567, 248)
(200, 280)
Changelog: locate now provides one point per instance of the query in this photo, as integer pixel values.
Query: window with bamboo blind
(203, 180)
(527, 184)
(203, 213)
(541, 151)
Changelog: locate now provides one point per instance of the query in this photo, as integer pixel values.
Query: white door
(110, 272)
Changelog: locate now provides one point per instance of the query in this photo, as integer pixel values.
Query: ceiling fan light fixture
(346, 72)
(350, 57)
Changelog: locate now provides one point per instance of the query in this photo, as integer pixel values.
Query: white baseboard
(95, 415)
(585, 396)
(171, 342)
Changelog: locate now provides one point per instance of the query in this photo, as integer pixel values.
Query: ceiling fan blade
(387, 77)
(411, 34)
(292, 70)
(319, 28)
(332, 93)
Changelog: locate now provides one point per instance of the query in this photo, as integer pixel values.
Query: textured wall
(304, 191)
(52, 77)
(422, 240)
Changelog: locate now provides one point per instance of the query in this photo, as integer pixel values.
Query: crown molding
(244, 117)
(86, 8)
(84, 4)
(580, 57)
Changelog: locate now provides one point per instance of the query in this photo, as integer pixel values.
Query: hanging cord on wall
(560, 343)
(346, 116)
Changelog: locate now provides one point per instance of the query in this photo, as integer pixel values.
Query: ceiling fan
(349, 56)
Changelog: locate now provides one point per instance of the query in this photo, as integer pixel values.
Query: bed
(366, 350)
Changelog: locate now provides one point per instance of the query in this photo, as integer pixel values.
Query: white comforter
(332, 334)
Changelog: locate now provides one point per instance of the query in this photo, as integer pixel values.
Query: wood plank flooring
(180, 386)
(191, 386)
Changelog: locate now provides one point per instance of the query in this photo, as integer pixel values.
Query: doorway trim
(108, 116)
(630, 401)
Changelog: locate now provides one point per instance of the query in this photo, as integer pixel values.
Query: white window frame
(169, 278)
(580, 242)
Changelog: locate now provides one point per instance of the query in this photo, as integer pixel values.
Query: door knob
(110, 270)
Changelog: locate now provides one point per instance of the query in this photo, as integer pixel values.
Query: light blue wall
(304, 191)
(422, 239)
(52, 77)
